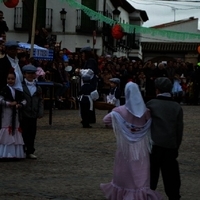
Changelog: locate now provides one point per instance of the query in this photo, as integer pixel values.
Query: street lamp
(63, 18)
(116, 14)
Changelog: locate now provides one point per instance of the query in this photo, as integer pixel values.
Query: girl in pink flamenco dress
(131, 125)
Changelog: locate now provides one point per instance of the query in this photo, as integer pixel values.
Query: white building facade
(79, 28)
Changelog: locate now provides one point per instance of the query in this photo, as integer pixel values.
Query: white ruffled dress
(11, 143)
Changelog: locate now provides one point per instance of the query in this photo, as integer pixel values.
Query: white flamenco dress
(11, 141)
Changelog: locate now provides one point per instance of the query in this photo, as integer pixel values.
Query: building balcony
(86, 24)
(22, 21)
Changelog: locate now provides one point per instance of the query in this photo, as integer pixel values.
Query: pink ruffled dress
(131, 178)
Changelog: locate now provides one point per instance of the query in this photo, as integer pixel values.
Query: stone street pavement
(73, 161)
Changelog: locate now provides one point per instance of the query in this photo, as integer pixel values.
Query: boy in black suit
(32, 111)
(86, 102)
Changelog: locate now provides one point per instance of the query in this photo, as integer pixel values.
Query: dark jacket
(85, 90)
(91, 63)
(115, 91)
(7, 96)
(6, 93)
(5, 67)
(34, 106)
(3, 27)
(167, 122)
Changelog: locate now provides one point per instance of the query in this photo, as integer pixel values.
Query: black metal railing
(20, 23)
(86, 24)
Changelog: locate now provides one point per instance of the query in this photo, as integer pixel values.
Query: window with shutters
(87, 24)
(24, 15)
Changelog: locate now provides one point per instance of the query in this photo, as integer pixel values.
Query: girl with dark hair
(11, 101)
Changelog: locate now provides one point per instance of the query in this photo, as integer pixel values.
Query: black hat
(85, 49)
(163, 84)
(29, 68)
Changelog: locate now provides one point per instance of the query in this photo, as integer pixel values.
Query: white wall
(187, 27)
(69, 39)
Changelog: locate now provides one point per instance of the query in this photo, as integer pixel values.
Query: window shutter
(27, 16)
(84, 18)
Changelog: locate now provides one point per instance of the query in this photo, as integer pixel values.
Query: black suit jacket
(5, 66)
(3, 27)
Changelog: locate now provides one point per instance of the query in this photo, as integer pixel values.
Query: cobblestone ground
(73, 161)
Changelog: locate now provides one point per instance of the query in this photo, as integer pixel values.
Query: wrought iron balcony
(22, 20)
(85, 24)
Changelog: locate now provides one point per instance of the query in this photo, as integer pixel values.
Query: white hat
(86, 74)
(115, 80)
(68, 68)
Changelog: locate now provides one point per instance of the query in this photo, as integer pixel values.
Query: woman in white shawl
(131, 125)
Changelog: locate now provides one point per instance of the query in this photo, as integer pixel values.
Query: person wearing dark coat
(91, 63)
(166, 135)
(32, 111)
(3, 25)
(8, 62)
(196, 81)
(85, 100)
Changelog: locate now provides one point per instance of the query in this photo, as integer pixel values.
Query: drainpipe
(103, 35)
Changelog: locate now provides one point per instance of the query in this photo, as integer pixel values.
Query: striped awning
(39, 53)
(167, 46)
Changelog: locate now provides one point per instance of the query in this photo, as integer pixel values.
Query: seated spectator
(106, 76)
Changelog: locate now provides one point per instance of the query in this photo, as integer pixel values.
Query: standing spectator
(9, 61)
(2, 49)
(131, 124)
(196, 84)
(105, 77)
(86, 102)
(170, 68)
(177, 90)
(114, 95)
(60, 78)
(39, 39)
(11, 101)
(3, 25)
(77, 61)
(150, 73)
(32, 111)
(166, 133)
(141, 80)
(90, 63)
(161, 71)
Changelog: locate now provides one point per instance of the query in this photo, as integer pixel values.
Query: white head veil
(134, 101)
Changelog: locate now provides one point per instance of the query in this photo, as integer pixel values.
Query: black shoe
(87, 126)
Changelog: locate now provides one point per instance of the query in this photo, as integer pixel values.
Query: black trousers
(92, 116)
(85, 113)
(29, 128)
(164, 160)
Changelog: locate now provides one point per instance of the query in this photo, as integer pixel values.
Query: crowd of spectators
(185, 76)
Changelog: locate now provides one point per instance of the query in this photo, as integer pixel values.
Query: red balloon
(117, 32)
(10, 3)
(198, 49)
